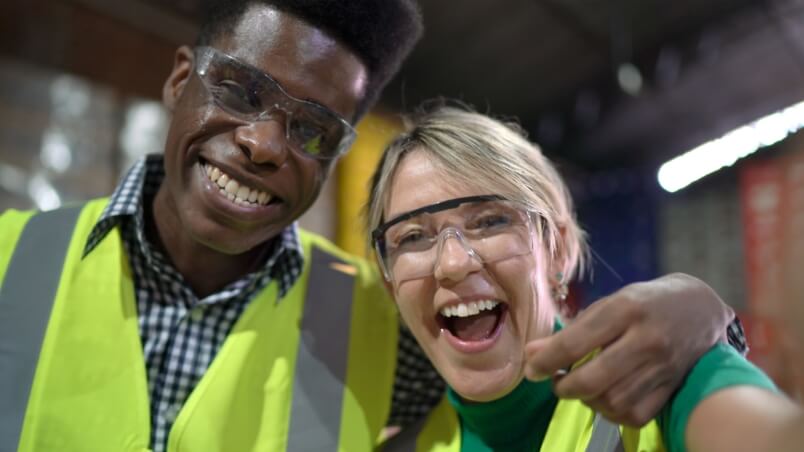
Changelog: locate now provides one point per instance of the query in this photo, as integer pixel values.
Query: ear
(558, 261)
(389, 287)
(183, 63)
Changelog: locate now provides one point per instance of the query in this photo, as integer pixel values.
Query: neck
(527, 411)
(204, 269)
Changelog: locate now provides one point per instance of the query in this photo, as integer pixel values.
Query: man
(191, 314)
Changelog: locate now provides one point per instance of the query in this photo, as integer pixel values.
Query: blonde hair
(479, 151)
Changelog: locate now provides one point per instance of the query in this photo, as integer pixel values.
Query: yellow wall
(354, 171)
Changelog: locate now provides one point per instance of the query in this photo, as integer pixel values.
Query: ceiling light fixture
(719, 153)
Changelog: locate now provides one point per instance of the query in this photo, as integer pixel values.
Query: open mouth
(236, 191)
(472, 321)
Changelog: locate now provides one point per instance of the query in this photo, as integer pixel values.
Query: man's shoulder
(14, 217)
(364, 269)
(13, 221)
(312, 239)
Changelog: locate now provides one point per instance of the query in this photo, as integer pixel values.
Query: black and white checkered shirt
(181, 334)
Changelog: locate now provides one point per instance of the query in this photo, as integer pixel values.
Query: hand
(650, 333)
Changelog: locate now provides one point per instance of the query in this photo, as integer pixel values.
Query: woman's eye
(491, 221)
(410, 238)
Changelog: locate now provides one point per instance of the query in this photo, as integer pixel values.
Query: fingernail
(559, 375)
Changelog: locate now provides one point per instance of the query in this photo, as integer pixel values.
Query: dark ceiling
(706, 67)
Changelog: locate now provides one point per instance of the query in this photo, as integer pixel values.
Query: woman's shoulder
(719, 368)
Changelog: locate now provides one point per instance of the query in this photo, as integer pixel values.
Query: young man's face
(274, 179)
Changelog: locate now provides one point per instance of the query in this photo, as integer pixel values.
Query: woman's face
(481, 355)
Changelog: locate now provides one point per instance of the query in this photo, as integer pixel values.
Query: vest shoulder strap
(26, 299)
(322, 357)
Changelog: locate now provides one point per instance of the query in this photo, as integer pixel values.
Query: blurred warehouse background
(612, 90)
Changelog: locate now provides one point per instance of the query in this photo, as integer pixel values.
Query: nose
(455, 259)
(263, 141)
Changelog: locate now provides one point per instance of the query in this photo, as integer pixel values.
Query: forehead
(419, 181)
(306, 61)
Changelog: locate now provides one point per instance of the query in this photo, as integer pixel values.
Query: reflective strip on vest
(605, 436)
(320, 375)
(26, 299)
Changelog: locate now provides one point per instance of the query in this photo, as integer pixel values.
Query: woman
(475, 234)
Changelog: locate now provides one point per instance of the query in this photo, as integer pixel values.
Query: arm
(720, 371)
(650, 333)
(745, 418)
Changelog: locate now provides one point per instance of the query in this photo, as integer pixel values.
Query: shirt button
(172, 412)
(197, 313)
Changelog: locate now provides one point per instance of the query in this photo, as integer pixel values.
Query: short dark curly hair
(380, 32)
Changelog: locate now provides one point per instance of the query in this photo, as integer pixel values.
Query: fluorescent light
(43, 193)
(56, 153)
(629, 78)
(726, 150)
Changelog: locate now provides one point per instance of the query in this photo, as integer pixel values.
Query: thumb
(535, 368)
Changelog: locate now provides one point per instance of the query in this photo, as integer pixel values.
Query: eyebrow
(432, 208)
(259, 71)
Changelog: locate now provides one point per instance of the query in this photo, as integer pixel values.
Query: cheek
(411, 299)
(515, 278)
(518, 279)
(311, 178)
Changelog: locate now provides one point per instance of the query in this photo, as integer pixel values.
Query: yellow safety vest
(312, 371)
(573, 428)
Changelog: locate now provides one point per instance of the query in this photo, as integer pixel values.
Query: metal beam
(591, 36)
(146, 17)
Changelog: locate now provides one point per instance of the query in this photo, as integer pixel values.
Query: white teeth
(234, 190)
(468, 309)
(232, 187)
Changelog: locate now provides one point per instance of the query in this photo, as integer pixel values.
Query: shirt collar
(138, 186)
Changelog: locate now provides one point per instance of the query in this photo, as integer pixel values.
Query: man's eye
(313, 146)
(235, 96)
(309, 135)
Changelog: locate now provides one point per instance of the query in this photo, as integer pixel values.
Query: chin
(482, 385)
(226, 239)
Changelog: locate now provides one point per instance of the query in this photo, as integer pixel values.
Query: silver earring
(560, 291)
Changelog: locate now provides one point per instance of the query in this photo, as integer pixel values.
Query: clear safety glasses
(250, 94)
(489, 228)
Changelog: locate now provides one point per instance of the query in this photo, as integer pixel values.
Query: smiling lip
(241, 212)
(477, 346)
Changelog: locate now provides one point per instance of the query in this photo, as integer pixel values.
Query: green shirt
(519, 420)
